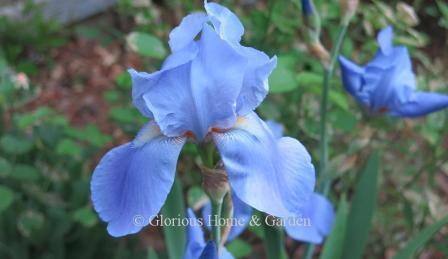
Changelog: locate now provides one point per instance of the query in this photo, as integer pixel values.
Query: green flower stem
(216, 229)
(325, 177)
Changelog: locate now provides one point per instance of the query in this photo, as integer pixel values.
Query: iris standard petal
(181, 57)
(420, 104)
(320, 213)
(242, 213)
(132, 181)
(142, 82)
(216, 78)
(273, 175)
(200, 94)
(385, 40)
(188, 29)
(255, 84)
(195, 237)
(226, 23)
(399, 56)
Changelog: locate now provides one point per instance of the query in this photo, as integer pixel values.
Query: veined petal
(188, 29)
(216, 80)
(195, 237)
(226, 23)
(320, 213)
(241, 212)
(273, 175)
(134, 179)
(255, 84)
(420, 104)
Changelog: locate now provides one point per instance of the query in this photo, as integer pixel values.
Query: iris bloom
(387, 84)
(319, 211)
(206, 90)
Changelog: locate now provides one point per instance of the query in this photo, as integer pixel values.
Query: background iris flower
(387, 83)
(196, 246)
(206, 90)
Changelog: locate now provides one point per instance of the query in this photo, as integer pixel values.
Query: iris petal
(200, 94)
(225, 22)
(276, 128)
(133, 180)
(195, 237)
(188, 29)
(320, 212)
(351, 76)
(398, 57)
(385, 40)
(210, 251)
(273, 175)
(142, 82)
(255, 84)
(217, 77)
(196, 246)
(421, 104)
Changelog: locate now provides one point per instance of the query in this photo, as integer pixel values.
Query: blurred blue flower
(206, 90)
(307, 7)
(387, 84)
(196, 246)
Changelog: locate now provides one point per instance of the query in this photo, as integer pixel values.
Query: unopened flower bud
(311, 19)
(215, 183)
(349, 8)
(407, 14)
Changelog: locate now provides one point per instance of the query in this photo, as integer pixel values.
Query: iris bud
(407, 14)
(312, 22)
(215, 183)
(348, 8)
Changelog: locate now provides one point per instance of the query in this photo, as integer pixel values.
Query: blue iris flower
(206, 90)
(387, 84)
(196, 246)
(319, 212)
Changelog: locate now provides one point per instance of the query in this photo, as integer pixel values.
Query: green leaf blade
(420, 240)
(362, 210)
(334, 245)
(175, 236)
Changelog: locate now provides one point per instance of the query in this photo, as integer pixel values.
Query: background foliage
(65, 99)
